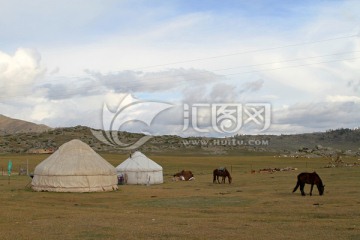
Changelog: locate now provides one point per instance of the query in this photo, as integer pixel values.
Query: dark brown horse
(221, 172)
(309, 178)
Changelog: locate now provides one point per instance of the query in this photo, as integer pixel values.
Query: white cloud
(18, 73)
(67, 112)
(342, 99)
(42, 112)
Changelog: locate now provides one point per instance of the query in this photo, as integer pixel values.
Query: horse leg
(302, 185)
(312, 185)
(215, 178)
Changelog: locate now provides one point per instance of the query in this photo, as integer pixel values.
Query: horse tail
(297, 186)
(214, 174)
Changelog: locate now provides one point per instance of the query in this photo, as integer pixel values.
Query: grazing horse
(309, 178)
(221, 172)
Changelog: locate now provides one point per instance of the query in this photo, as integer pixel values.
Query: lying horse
(309, 178)
(221, 172)
(184, 175)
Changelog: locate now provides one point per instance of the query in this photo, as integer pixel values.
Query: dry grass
(255, 206)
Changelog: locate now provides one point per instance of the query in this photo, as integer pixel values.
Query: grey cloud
(355, 85)
(128, 82)
(223, 92)
(54, 71)
(252, 86)
(320, 116)
(69, 88)
(136, 81)
(220, 92)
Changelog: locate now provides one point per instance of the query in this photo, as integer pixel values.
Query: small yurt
(74, 167)
(139, 169)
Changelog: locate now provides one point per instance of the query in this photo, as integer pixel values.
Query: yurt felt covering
(74, 167)
(139, 169)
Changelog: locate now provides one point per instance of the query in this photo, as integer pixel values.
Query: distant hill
(18, 136)
(13, 126)
(331, 143)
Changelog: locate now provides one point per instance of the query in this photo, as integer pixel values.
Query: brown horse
(309, 178)
(221, 172)
(184, 175)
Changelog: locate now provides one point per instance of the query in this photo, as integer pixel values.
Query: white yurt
(74, 167)
(139, 169)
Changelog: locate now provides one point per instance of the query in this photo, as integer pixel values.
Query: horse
(309, 178)
(221, 172)
(184, 175)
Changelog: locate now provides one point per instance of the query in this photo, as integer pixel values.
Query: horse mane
(317, 175)
(320, 181)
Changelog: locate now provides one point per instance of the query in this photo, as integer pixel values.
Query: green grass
(254, 206)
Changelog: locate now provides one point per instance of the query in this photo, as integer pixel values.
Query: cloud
(355, 85)
(252, 86)
(66, 112)
(138, 81)
(343, 99)
(188, 53)
(54, 71)
(97, 83)
(70, 87)
(18, 73)
(319, 116)
(223, 92)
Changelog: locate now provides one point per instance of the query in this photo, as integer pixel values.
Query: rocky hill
(331, 143)
(19, 136)
(14, 126)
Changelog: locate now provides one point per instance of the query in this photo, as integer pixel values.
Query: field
(254, 206)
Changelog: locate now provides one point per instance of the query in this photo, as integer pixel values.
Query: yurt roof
(74, 158)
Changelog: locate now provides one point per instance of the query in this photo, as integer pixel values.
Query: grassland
(254, 206)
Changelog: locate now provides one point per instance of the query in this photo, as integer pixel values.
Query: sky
(280, 67)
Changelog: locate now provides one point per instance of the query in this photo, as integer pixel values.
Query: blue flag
(9, 167)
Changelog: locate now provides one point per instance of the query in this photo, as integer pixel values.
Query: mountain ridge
(46, 140)
(13, 126)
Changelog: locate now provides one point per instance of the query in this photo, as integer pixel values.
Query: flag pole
(9, 170)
